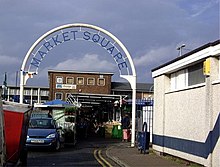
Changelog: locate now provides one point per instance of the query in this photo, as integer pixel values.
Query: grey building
(186, 106)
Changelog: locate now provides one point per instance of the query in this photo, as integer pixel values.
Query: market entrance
(96, 115)
(101, 106)
(86, 32)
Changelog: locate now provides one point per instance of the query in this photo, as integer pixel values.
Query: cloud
(203, 7)
(89, 62)
(151, 59)
(6, 60)
(155, 56)
(150, 32)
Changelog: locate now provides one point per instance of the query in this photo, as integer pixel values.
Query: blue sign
(141, 102)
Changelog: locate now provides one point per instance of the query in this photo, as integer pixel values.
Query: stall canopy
(56, 102)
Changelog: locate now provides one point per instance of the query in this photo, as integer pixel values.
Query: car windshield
(42, 123)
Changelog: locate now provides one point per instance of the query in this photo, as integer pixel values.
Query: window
(195, 74)
(17, 92)
(59, 80)
(12, 91)
(187, 77)
(67, 95)
(91, 81)
(69, 80)
(27, 92)
(44, 92)
(80, 81)
(59, 95)
(101, 81)
(179, 79)
(35, 92)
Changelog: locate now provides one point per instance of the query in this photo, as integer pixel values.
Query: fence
(144, 114)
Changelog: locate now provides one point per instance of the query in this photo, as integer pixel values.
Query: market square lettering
(66, 36)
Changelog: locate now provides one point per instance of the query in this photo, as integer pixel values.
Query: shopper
(125, 122)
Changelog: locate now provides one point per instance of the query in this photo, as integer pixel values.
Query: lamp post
(4, 87)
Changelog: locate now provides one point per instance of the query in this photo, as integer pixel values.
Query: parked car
(43, 132)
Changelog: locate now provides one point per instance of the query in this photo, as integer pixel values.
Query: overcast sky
(151, 30)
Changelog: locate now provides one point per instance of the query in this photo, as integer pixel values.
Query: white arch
(131, 78)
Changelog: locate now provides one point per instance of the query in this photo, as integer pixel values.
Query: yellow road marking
(104, 159)
(99, 161)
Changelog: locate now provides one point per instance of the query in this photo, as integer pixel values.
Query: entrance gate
(86, 32)
(145, 114)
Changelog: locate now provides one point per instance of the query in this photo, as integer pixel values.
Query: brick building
(63, 83)
(94, 91)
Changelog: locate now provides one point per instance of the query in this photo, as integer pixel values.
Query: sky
(151, 31)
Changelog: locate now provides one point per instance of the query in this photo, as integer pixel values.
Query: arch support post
(132, 80)
(24, 76)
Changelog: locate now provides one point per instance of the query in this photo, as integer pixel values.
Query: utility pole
(4, 87)
(2, 136)
(16, 79)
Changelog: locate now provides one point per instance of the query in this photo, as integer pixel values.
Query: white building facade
(187, 106)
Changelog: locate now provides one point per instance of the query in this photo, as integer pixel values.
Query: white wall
(186, 122)
(215, 159)
(185, 114)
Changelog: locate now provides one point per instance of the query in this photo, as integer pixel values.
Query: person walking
(125, 122)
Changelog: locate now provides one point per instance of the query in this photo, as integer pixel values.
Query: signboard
(206, 67)
(65, 35)
(65, 86)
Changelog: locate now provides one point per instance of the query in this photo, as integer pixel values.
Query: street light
(180, 49)
(4, 86)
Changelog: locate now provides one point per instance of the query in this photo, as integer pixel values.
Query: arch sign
(81, 32)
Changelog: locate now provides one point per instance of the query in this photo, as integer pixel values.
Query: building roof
(188, 54)
(196, 56)
(80, 72)
(116, 86)
(125, 86)
(29, 87)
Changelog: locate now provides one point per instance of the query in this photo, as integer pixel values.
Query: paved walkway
(127, 156)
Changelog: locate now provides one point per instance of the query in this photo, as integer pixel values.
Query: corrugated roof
(80, 72)
(144, 87)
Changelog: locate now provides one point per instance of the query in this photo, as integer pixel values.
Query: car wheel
(58, 145)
